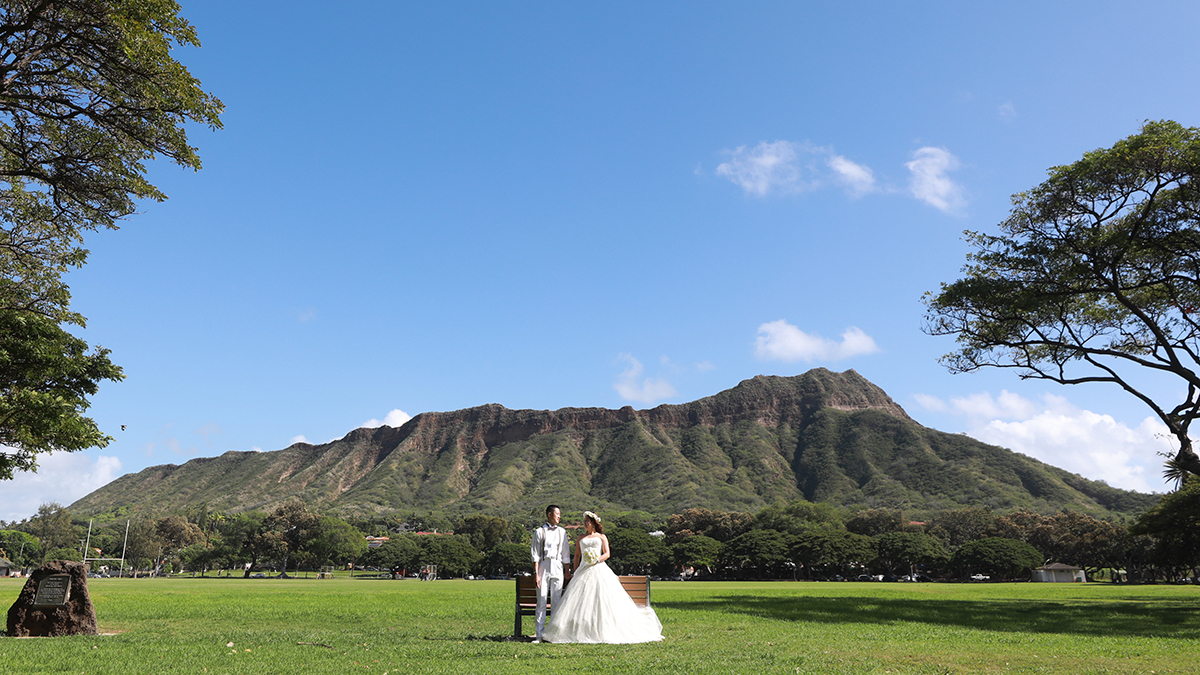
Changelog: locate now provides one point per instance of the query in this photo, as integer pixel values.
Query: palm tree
(1174, 472)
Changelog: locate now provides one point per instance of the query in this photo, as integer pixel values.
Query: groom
(550, 550)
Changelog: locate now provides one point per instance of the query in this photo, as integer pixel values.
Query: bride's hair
(595, 522)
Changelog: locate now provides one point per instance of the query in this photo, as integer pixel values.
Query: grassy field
(347, 626)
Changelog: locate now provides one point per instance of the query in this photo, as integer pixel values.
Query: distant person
(596, 607)
(550, 549)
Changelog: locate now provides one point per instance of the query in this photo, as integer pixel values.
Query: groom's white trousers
(551, 589)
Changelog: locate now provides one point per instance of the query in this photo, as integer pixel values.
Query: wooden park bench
(638, 588)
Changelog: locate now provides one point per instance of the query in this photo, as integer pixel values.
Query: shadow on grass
(1164, 619)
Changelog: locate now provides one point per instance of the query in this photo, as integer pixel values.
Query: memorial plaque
(53, 591)
(53, 602)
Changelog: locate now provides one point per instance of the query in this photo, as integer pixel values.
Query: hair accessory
(593, 516)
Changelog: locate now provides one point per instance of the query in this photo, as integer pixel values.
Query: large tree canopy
(1095, 278)
(46, 375)
(89, 92)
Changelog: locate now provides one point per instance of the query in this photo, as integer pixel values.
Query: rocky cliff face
(820, 435)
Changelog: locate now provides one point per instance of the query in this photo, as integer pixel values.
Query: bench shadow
(1162, 619)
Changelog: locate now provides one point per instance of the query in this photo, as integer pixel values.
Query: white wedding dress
(595, 608)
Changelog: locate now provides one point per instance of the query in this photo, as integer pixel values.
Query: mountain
(821, 436)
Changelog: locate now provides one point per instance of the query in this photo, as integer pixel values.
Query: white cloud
(395, 418)
(705, 366)
(648, 390)
(1007, 406)
(781, 341)
(208, 431)
(1060, 434)
(765, 168)
(1007, 111)
(780, 167)
(786, 167)
(930, 182)
(297, 439)
(931, 403)
(62, 477)
(858, 179)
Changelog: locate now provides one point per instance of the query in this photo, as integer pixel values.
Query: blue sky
(432, 206)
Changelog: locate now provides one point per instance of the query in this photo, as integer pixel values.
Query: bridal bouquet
(591, 557)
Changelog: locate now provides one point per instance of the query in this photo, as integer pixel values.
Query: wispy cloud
(208, 431)
(858, 179)
(1061, 434)
(297, 439)
(62, 477)
(766, 168)
(1007, 111)
(395, 418)
(172, 443)
(781, 341)
(787, 167)
(930, 181)
(633, 387)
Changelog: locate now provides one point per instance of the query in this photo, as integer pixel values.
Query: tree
(335, 541)
(834, 550)
(46, 375)
(506, 559)
(796, 516)
(1174, 525)
(197, 557)
(1095, 278)
(19, 547)
(485, 532)
(144, 549)
(874, 522)
(400, 551)
(52, 526)
(956, 527)
(1005, 558)
(453, 554)
(88, 94)
(905, 551)
(634, 550)
(764, 551)
(287, 530)
(697, 551)
(177, 533)
(719, 525)
(239, 543)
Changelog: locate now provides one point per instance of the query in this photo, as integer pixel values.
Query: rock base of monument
(54, 602)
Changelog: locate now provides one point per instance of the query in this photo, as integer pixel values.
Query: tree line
(798, 540)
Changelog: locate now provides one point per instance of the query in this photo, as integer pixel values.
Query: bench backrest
(637, 586)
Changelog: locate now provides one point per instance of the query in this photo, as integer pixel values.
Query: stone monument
(54, 602)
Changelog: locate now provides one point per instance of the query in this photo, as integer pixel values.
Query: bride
(594, 607)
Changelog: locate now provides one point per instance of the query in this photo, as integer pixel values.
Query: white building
(1058, 572)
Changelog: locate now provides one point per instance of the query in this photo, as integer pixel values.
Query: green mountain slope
(822, 436)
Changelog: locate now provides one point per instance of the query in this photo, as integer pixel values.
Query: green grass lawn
(347, 626)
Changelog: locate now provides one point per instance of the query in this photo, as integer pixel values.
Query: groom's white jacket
(550, 545)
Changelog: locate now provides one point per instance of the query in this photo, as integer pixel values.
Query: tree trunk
(1187, 459)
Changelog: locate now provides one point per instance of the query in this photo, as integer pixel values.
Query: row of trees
(797, 540)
